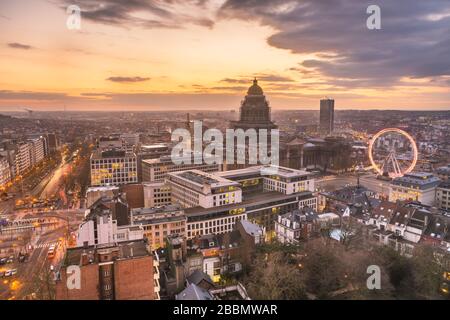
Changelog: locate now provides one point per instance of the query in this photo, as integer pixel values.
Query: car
(13, 271)
(8, 273)
(3, 261)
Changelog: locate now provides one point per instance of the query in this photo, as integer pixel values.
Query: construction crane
(30, 112)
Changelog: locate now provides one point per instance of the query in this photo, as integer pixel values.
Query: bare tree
(273, 278)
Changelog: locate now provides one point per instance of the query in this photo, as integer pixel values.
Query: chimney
(84, 259)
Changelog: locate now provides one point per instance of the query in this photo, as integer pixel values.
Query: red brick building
(124, 271)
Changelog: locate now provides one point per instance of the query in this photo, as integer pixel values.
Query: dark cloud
(412, 42)
(127, 79)
(30, 95)
(261, 77)
(125, 13)
(16, 45)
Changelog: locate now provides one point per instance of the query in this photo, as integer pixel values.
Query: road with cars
(27, 273)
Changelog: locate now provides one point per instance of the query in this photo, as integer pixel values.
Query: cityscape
(257, 193)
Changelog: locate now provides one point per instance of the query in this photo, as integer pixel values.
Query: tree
(273, 278)
(324, 273)
(43, 284)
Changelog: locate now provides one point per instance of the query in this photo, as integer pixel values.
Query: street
(22, 284)
(368, 181)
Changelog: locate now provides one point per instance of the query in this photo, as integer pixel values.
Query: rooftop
(250, 200)
(422, 180)
(104, 188)
(194, 292)
(263, 171)
(98, 154)
(125, 250)
(202, 178)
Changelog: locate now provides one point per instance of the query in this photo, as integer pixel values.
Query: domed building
(254, 111)
(254, 114)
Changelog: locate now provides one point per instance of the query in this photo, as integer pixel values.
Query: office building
(414, 186)
(257, 197)
(156, 194)
(326, 121)
(110, 143)
(194, 188)
(443, 195)
(113, 167)
(156, 170)
(152, 151)
(159, 222)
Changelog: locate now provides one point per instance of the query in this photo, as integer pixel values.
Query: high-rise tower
(326, 124)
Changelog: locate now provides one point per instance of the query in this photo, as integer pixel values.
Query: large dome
(255, 90)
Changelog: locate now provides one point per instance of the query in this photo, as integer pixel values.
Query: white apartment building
(23, 158)
(443, 195)
(156, 194)
(5, 171)
(37, 150)
(103, 229)
(194, 188)
(113, 167)
(414, 186)
(156, 170)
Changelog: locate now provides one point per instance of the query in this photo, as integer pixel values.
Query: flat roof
(253, 199)
(126, 249)
(104, 188)
(265, 171)
(155, 210)
(99, 154)
(201, 178)
(421, 179)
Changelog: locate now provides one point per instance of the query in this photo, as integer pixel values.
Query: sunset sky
(203, 54)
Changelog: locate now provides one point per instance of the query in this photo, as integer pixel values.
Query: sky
(204, 54)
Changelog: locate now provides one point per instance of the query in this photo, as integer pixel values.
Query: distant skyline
(203, 54)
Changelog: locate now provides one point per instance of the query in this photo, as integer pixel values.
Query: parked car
(13, 271)
(8, 273)
(3, 261)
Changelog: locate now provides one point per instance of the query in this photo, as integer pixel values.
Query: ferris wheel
(393, 152)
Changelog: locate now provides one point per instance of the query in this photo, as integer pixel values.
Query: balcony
(157, 287)
(156, 274)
